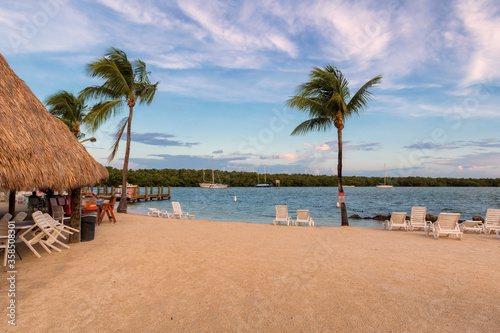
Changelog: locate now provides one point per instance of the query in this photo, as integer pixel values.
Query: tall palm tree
(125, 82)
(327, 100)
(71, 109)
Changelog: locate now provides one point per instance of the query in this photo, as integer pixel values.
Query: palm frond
(120, 129)
(361, 98)
(102, 112)
(314, 124)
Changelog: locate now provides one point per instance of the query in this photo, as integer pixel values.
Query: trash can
(88, 228)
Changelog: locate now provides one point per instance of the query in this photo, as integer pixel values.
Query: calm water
(256, 205)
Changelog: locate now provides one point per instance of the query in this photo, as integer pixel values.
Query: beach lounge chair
(398, 220)
(469, 225)
(492, 221)
(41, 233)
(6, 218)
(304, 217)
(154, 212)
(4, 239)
(282, 215)
(447, 224)
(178, 213)
(417, 218)
(59, 226)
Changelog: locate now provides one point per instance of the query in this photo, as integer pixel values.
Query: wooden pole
(12, 203)
(76, 214)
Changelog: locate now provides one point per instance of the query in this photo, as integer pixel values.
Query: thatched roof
(36, 148)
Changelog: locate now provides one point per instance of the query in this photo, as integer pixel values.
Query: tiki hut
(36, 148)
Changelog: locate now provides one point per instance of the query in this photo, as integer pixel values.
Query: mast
(265, 179)
(213, 179)
(385, 179)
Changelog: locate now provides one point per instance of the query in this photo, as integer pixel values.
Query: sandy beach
(148, 274)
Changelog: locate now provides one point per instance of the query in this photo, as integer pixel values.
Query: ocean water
(256, 205)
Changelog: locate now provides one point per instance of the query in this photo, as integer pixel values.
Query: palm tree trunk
(122, 207)
(343, 209)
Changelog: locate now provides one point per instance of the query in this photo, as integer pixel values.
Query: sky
(226, 68)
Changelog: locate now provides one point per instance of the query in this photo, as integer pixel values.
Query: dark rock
(430, 217)
(355, 216)
(367, 218)
(381, 217)
(407, 218)
(477, 218)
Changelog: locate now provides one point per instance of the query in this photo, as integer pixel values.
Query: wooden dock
(134, 193)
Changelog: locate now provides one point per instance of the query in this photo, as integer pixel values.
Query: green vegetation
(125, 82)
(326, 98)
(191, 178)
(70, 109)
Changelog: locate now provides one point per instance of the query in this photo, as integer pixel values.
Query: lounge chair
(492, 221)
(4, 239)
(417, 218)
(178, 213)
(398, 220)
(41, 233)
(154, 212)
(447, 224)
(282, 215)
(469, 225)
(304, 217)
(6, 218)
(59, 226)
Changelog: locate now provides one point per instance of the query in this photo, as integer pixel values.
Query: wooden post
(169, 193)
(76, 214)
(12, 203)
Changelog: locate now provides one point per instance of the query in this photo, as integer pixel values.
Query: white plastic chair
(154, 212)
(447, 224)
(178, 213)
(398, 220)
(282, 215)
(6, 218)
(417, 218)
(41, 233)
(469, 225)
(303, 216)
(492, 221)
(59, 226)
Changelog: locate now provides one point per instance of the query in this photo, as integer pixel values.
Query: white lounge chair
(398, 220)
(154, 212)
(41, 233)
(282, 215)
(469, 225)
(178, 213)
(4, 239)
(417, 218)
(447, 224)
(304, 217)
(492, 221)
(6, 218)
(59, 226)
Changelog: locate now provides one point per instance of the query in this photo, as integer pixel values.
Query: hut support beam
(12, 202)
(76, 214)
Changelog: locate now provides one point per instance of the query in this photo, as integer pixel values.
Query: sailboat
(384, 185)
(264, 184)
(213, 184)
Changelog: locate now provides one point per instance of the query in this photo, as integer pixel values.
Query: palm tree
(70, 109)
(327, 100)
(125, 82)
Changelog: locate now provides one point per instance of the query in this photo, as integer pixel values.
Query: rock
(381, 217)
(407, 218)
(367, 218)
(477, 218)
(430, 217)
(355, 216)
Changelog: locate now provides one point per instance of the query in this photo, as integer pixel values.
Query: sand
(149, 274)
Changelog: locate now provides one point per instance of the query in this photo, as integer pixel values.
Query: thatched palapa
(36, 148)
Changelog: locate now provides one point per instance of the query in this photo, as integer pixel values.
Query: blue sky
(227, 67)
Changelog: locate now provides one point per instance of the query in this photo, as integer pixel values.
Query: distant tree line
(191, 178)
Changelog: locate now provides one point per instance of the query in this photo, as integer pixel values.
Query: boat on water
(384, 185)
(213, 184)
(264, 184)
(348, 185)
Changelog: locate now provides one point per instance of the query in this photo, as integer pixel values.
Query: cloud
(429, 145)
(162, 161)
(158, 139)
(220, 151)
(491, 143)
(346, 145)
